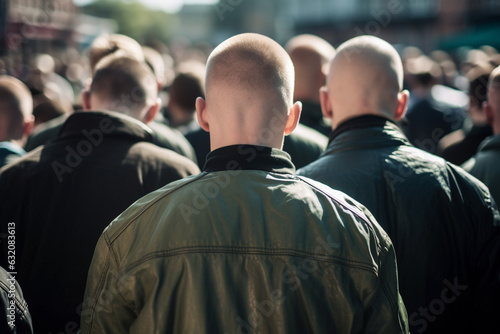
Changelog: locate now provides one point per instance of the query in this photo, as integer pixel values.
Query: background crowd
(63, 181)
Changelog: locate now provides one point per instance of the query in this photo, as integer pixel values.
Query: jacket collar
(249, 157)
(361, 122)
(490, 143)
(368, 131)
(105, 123)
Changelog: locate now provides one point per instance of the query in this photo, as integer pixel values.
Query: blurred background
(28, 26)
(42, 39)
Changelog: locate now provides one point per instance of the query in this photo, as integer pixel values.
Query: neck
(496, 128)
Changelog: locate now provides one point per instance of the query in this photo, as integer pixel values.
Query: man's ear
(402, 105)
(86, 100)
(488, 111)
(293, 117)
(152, 112)
(28, 126)
(201, 113)
(326, 106)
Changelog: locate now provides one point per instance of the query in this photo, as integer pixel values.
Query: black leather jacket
(61, 197)
(244, 247)
(485, 165)
(442, 221)
(14, 317)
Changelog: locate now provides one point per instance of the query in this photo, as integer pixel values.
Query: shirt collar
(249, 157)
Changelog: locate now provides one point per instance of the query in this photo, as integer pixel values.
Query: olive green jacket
(244, 247)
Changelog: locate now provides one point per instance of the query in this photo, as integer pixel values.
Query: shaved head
(16, 107)
(123, 84)
(249, 85)
(366, 77)
(252, 62)
(492, 107)
(494, 81)
(310, 55)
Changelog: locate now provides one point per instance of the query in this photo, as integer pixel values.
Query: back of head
(310, 55)
(494, 98)
(123, 84)
(155, 61)
(423, 71)
(16, 106)
(188, 85)
(46, 108)
(366, 77)
(105, 45)
(478, 85)
(249, 83)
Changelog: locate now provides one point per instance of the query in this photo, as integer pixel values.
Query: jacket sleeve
(487, 269)
(104, 309)
(385, 311)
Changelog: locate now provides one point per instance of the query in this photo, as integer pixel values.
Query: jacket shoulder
(352, 205)
(149, 151)
(127, 217)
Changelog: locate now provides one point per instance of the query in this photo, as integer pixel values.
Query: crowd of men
(260, 189)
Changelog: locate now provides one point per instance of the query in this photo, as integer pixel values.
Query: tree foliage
(134, 19)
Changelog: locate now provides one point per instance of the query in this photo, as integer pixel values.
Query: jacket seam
(250, 251)
(354, 210)
(95, 296)
(146, 207)
(392, 299)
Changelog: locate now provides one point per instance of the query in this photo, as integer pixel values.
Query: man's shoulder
(25, 163)
(308, 136)
(146, 151)
(155, 200)
(45, 132)
(167, 137)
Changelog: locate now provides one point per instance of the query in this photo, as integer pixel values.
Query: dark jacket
(163, 136)
(15, 316)
(443, 223)
(304, 145)
(465, 146)
(429, 120)
(62, 196)
(485, 165)
(312, 116)
(244, 247)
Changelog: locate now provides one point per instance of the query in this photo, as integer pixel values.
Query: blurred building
(39, 24)
(195, 23)
(44, 26)
(427, 24)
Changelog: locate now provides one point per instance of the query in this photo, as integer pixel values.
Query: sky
(171, 6)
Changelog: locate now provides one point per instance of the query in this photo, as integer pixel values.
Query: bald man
(16, 118)
(310, 55)
(61, 196)
(484, 165)
(444, 223)
(246, 246)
